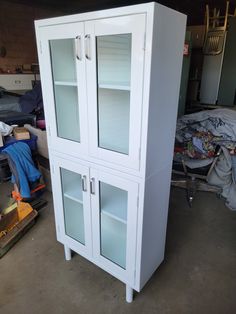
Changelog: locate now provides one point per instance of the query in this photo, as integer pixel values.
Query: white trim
(95, 15)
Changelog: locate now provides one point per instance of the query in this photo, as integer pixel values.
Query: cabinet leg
(129, 294)
(67, 253)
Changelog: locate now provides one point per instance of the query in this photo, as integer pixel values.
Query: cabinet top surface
(125, 10)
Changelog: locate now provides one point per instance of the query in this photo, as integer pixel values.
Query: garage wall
(17, 33)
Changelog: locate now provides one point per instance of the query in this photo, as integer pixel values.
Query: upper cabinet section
(92, 75)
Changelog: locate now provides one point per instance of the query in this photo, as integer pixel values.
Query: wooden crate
(17, 232)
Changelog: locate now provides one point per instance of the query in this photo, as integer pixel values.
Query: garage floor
(197, 276)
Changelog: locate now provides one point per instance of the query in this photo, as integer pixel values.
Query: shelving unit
(111, 87)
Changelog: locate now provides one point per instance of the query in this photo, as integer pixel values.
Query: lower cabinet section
(96, 216)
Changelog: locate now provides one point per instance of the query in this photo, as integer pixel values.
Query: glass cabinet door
(114, 210)
(115, 68)
(113, 91)
(73, 206)
(74, 203)
(65, 90)
(63, 60)
(113, 223)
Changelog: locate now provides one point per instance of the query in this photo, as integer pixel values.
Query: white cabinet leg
(129, 294)
(67, 253)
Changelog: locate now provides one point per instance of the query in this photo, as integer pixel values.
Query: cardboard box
(21, 133)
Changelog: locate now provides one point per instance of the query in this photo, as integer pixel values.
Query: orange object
(16, 195)
(23, 209)
(39, 187)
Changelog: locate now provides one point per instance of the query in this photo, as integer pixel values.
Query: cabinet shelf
(114, 203)
(114, 85)
(73, 192)
(72, 186)
(65, 83)
(73, 197)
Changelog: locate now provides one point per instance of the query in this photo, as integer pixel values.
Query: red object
(186, 49)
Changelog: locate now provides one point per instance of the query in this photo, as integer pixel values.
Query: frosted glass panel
(67, 112)
(114, 66)
(113, 223)
(113, 120)
(73, 205)
(114, 59)
(63, 62)
(63, 59)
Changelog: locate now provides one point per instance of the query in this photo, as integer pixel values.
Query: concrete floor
(197, 276)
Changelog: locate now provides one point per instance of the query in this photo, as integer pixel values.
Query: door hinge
(134, 273)
(138, 202)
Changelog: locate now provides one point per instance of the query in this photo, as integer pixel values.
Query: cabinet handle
(78, 47)
(87, 47)
(92, 186)
(84, 183)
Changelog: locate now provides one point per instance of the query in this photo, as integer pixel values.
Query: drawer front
(16, 81)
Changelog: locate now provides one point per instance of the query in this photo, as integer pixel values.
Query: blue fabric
(20, 154)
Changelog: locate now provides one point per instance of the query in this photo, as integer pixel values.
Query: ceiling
(195, 9)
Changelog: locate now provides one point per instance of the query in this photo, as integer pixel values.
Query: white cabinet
(111, 86)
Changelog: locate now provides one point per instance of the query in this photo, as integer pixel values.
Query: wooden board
(17, 232)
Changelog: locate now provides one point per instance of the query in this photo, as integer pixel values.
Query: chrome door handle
(84, 183)
(78, 48)
(87, 47)
(92, 186)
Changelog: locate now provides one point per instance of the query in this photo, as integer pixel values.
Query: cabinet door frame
(57, 163)
(64, 32)
(135, 25)
(127, 275)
